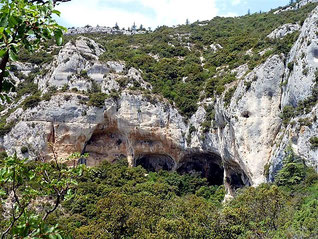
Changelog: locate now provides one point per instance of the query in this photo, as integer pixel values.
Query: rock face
(283, 31)
(101, 29)
(247, 135)
(297, 5)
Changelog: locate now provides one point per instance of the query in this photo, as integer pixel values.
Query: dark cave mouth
(155, 162)
(206, 165)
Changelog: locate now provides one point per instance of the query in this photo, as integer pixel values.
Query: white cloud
(236, 2)
(167, 12)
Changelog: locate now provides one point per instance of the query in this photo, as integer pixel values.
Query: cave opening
(236, 178)
(207, 165)
(155, 162)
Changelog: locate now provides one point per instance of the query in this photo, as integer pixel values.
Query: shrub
(97, 99)
(291, 65)
(287, 114)
(247, 85)
(84, 74)
(305, 71)
(31, 102)
(293, 170)
(24, 150)
(314, 142)
(228, 96)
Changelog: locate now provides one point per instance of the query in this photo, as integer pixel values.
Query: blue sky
(153, 13)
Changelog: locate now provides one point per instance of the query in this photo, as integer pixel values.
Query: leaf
(2, 52)
(56, 12)
(58, 36)
(7, 86)
(4, 21)
(12, 55)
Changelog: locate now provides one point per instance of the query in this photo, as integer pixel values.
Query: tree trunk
(3, 65)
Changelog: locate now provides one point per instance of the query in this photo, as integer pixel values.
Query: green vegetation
(24, 25)
(38, 190)
(97, 99)
(113, 200)
(293, 171)
(179, 73)
(116, 201)
(32, 101)
(314, 142)
(228, 96)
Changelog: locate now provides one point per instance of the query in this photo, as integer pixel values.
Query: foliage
(314, 142)
(293, 171)
(180, 63)
(33, 191)
(24, 24)
(114, 201)
(32, 101)
(97, 99)
(228, 96)
(287, 114)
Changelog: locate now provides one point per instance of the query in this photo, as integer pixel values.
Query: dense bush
(32, 101)
(314, 142)
(115, 201)
(97, 99)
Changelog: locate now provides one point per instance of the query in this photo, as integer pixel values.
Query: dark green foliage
(228, 96)
(287, 114)
(97, 99)
(247, 84)
(5, 128)
(115, 201)
(314, 142)
(178, 74)
(51, 91)
(293, 171)
(24, 150)
(32, 101)
(291, 65)
(84, 74)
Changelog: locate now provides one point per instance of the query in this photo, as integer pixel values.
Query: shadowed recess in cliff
(106, 143)
(155, 162)
(208, 165)
(236, 178)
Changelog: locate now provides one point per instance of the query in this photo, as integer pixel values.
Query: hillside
(221, 104)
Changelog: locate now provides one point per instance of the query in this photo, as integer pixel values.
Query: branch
(57, 203)
(46, 1)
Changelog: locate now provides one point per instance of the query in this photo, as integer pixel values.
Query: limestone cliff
(247, 136)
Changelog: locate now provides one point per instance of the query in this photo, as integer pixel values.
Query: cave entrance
(236, 178)
(208, 165)
(155, 162)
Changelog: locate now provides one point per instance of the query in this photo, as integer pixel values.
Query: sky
(153, 13)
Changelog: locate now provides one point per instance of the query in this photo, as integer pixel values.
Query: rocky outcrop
(295, 6)
(283, 31)
(102, 29)
(246, 136)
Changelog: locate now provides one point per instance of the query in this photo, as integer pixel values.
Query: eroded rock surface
(246, 135)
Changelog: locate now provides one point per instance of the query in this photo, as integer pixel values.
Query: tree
(187, 22)
(25, 186)
(293, 171)
(25, 24)
(134, 27)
